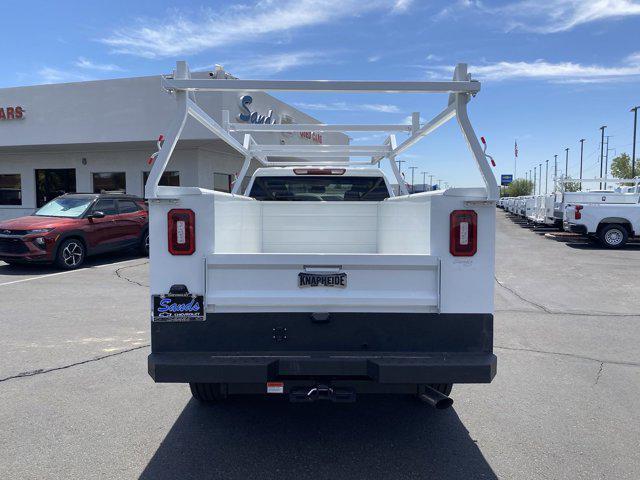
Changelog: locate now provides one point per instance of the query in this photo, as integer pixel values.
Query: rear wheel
(208, 392)
(144, 244)
(613, 236)
(71, 254)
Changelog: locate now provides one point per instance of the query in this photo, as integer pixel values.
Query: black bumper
(385, 348)
(381, 368)
(579, 229)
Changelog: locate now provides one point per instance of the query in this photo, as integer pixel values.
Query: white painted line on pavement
(65, 272)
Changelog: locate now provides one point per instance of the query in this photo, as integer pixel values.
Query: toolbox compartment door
(281, 282)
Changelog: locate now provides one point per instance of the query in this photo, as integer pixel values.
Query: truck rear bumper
(378, 348)
(388, 368)
(573, 228)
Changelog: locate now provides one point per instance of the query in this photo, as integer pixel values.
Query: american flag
(515, 149)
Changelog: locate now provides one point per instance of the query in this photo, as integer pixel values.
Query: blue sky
(552, 72)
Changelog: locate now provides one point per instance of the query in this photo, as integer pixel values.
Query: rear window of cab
(319, 189)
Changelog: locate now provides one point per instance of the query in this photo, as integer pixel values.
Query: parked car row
(73, 226)
(608, 217)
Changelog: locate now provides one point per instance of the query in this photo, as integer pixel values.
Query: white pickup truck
(316, 281)
(612, 225)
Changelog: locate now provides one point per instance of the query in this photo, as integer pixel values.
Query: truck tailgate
(271, 282)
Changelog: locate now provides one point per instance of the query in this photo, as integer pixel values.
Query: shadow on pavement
(44, 269)
(377, 437)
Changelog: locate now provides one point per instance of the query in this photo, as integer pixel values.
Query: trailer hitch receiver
(322, 392)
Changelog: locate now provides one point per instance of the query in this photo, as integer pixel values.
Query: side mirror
(97, 214)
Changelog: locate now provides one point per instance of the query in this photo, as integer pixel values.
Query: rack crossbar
(346, 86)
(317, 127)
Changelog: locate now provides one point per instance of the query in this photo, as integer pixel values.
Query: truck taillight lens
(463, 240)
(578, 214)
(182, 231)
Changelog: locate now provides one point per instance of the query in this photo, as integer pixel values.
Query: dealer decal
(178, 308)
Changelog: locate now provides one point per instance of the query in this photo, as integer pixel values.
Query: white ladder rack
(183, 87)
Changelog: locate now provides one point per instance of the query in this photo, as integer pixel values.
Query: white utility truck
(611, 224)
(316, 281)
(620, 194)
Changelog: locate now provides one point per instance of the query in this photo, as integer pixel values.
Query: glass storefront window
(222, 182)
(168, 179)
(109, 182)
(10, 189)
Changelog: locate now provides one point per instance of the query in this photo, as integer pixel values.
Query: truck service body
(612, 225)
(316, 281)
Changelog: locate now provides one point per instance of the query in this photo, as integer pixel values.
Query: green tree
(621, 166)
(570, 186)
(518, 187)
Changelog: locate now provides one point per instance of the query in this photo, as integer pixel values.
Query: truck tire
(144, 244)
(208, 392)
(613, 236)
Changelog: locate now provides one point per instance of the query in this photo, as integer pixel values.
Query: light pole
(581, 154)
(566, 162)
(413, 172)
(535, 177)
(540, 184)
(555, 173)
(546, 178)
(635, 127)
(439, 183)
(430, 182)
(424, 181)
(400, 162)
(601, 151)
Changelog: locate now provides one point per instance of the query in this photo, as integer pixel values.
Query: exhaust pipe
(435, 398)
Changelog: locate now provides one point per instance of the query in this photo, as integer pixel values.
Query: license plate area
(178, 308)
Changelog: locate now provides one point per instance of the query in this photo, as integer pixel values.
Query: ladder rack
(460, 90)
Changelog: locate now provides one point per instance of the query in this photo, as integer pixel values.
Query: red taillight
(319, 171)
(182, 231)
(463, 240)
(578, 214)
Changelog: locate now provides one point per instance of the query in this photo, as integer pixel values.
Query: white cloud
(402, 6)
(564, 72)
(54, 75)
(374, 58)
(343, 106)
(551, 16)
(264, 19)
(102, 67)
(266, 65)
(408, 120)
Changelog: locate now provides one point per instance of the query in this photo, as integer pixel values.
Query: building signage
(313, 136)
(246, 115)
(506, 179)
(11, 113)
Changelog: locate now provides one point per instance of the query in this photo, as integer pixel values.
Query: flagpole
(515, 160)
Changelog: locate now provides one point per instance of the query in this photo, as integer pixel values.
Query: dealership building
(98, 136)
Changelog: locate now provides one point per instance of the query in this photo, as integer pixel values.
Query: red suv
(69, 228)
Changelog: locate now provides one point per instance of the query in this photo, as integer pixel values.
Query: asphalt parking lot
(76, 401)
